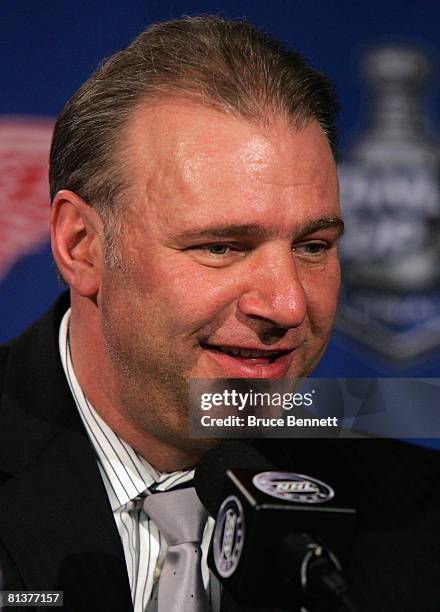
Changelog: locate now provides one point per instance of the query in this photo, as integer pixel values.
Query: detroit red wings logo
(24, 189)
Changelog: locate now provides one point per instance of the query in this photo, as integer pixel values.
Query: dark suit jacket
(57, 530)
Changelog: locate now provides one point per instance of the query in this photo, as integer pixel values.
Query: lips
(244, 362)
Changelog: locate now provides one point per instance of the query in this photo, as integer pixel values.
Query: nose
(274, 291)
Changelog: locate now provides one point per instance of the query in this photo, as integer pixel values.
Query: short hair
(229, 65)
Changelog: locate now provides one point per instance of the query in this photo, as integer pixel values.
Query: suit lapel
(53, 501)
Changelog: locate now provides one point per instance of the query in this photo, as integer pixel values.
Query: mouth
(244, 362)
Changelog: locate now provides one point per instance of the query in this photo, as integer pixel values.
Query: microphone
(279, 536)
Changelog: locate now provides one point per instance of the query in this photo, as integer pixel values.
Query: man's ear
(76, 235)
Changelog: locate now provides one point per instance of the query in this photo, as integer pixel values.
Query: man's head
(228, 65)
(198, 216)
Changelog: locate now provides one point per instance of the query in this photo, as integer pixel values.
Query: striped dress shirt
(128, 478)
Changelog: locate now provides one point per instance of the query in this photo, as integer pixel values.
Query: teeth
(247, 352)
(238, 352)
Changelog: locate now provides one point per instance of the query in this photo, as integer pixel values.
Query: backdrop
(383, 59)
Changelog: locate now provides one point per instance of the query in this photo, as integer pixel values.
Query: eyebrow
(257, 231)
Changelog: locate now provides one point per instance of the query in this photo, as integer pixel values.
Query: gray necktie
(181, 519)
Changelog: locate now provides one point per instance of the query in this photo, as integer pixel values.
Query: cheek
(201, 296)
(183, 294)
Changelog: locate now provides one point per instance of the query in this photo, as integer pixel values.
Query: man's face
(230, 250)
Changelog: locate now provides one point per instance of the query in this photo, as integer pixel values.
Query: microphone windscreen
(211, 471)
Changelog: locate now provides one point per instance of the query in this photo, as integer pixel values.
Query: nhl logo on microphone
(292, 487)
(228, 536)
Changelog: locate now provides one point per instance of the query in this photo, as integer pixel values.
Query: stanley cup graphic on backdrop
(390, 195)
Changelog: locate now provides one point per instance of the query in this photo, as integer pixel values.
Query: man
(195, 219)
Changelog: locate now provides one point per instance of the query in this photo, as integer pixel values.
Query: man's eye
(216, 249)
(311, 249)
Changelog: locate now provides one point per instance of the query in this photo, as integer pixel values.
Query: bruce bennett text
(253, 421)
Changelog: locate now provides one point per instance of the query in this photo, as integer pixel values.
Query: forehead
(191, 160)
